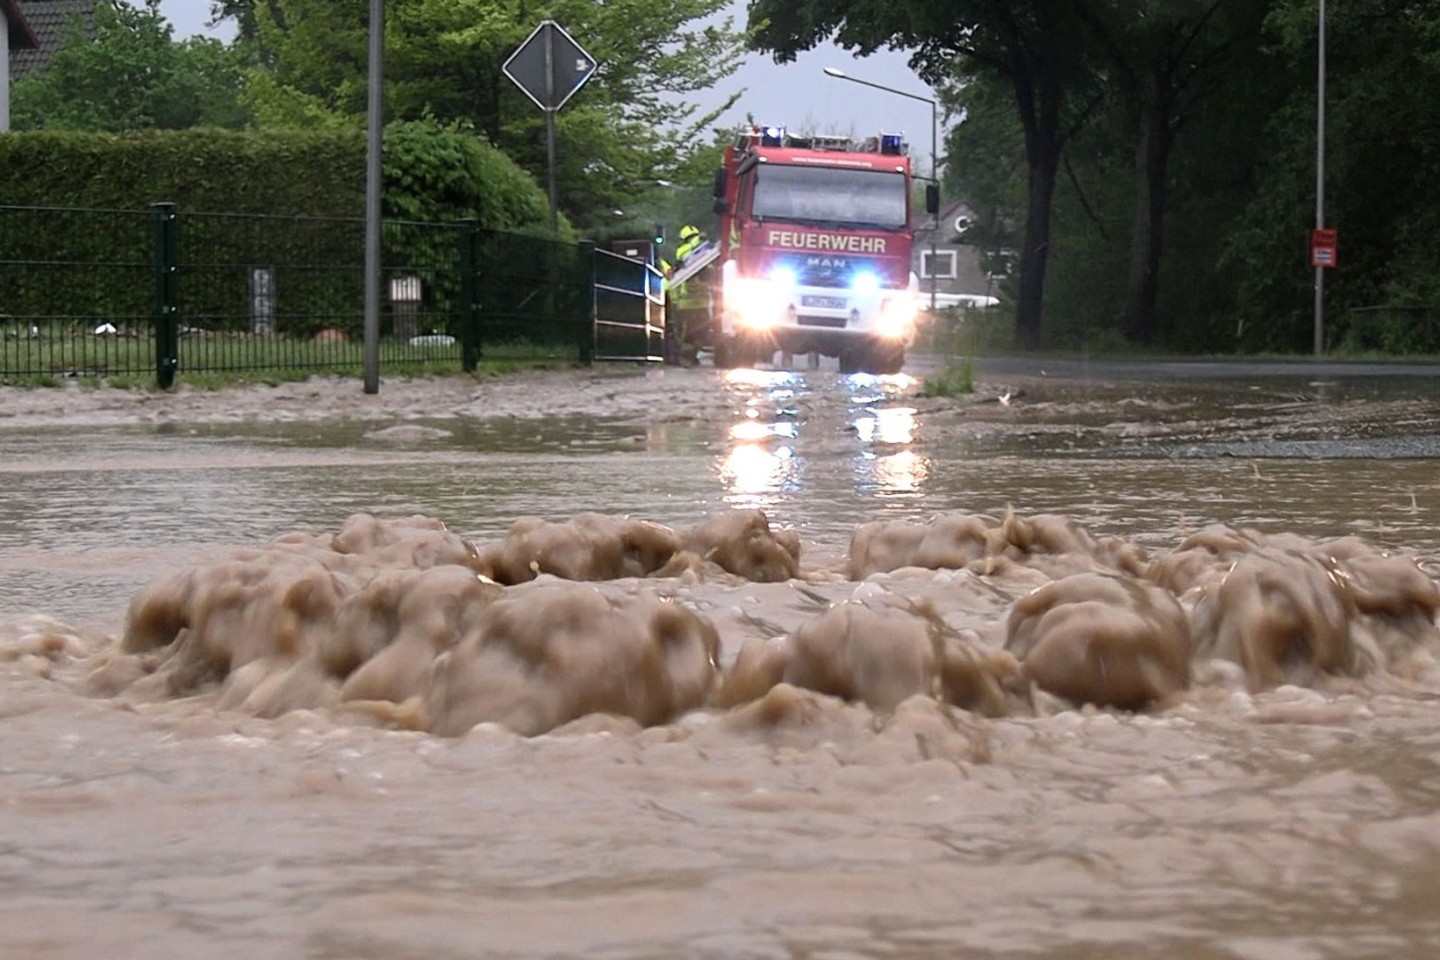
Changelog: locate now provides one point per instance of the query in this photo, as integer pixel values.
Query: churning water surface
(1290, 824)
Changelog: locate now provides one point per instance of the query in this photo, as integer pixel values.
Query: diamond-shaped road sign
(549, 66)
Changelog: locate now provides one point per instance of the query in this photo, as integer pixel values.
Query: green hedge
(431, 173)
(291, 202)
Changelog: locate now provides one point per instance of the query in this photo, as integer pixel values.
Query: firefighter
(691, 240)
(688, 303)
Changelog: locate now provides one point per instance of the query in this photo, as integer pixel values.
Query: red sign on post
(1324, 245)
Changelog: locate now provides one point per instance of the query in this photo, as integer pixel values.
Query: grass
(218, 363)
(955, 379)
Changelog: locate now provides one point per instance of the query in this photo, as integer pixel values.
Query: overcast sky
(797, 94)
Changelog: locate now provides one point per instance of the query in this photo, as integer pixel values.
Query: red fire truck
(814, 250)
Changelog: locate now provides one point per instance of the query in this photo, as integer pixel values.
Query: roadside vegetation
(956, 378)
(1144, 174)
(1139, 178)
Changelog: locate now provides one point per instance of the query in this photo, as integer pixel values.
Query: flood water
(1288, 823)
(88, 514)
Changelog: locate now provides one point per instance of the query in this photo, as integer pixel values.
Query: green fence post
(469, 237)
(165, 254)
(586, 282)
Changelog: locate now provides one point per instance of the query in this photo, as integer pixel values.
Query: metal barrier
(100, 293)
(629, 309)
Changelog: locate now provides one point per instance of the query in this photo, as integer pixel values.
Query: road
(1164, 370)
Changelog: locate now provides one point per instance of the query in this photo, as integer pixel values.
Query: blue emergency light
(772, 136)
(892, 143)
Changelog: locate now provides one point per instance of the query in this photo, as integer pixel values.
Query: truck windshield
(831, 195)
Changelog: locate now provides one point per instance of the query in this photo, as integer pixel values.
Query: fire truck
(813, 250)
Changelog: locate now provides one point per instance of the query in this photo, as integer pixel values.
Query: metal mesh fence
(100, 293)
(288, 292)
(76, 292)
(520, 279)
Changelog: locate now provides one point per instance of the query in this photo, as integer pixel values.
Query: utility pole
(1320, 191)
(373, 168)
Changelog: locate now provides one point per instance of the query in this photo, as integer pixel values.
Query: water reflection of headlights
(903, 472)
(894, 382)
(753, 431)
(749, 431)
(892, 425)
(751, 471)
(781, 383)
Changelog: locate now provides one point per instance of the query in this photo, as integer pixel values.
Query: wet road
(1309, 371)
(88, 513)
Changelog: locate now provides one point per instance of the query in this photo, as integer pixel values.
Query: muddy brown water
(1290, 823)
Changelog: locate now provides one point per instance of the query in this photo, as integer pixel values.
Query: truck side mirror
(722, 206)
(719, 190)
(932, 198)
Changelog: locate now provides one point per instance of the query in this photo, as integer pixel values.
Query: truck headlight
(897, 316)
(865, 284)
(757, 303)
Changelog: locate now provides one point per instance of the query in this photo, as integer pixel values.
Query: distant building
(50, 22)
(956, 267)
(17, 37)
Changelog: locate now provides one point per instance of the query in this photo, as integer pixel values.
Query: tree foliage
(1184, 164)
(1382, 161)
(1031, 45)
(132, 75)
(628, 126)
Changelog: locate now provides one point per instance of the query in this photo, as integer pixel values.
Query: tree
(1162, 55)
(242, 12)
(132, 75)
(628, 125)
(1032, 45)
(1382, 161)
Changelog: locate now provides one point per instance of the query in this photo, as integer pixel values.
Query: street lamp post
(934, 168)
(1320, 188)
(374, 140)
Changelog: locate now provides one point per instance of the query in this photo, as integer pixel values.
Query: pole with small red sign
(1324, 248)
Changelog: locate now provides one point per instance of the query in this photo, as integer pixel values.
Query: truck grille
(823, 278)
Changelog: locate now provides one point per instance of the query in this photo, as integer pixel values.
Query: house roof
(922, 222)
(22, 36)
(49, 23)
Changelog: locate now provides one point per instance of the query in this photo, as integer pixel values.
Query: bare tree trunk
(1038, 94)
(1152, 160)
(1035, 246)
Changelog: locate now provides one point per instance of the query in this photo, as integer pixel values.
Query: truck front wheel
(875, 356)
(886, 357)
(727, 353)
(742, 351)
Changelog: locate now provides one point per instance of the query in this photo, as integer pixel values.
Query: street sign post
(1324, 248)
(549, 67)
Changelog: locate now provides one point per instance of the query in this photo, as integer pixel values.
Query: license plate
(828, 303)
